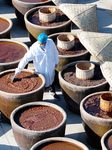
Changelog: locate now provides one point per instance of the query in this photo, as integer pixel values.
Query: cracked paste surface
(69, 75)
(40, 118)
(92, 106)
(61, 18)
(22, 83)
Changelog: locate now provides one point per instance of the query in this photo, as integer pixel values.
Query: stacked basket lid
(100, 46)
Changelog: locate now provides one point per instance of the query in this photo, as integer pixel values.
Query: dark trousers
(52, 87)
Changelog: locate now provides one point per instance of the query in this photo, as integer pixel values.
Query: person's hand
(16, 72)
(11, 77)
(56, 65)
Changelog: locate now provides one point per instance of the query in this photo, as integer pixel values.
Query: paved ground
(74, 128)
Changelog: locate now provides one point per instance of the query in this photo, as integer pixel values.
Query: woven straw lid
(58, 2)
(83, 15)
(98, 44)
(106, 69)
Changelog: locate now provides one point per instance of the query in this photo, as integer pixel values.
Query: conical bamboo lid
(83, 15)
(58, 2)
(98, 44)
(106, 69)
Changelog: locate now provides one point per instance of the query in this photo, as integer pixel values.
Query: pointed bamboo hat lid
(83, 15)
(98, 44)
(58, 2)
(106, 69)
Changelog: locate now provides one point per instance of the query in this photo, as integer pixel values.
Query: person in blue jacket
(44, 55)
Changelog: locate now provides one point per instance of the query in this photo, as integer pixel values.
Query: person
(44, 55)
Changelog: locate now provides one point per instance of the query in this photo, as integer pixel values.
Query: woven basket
(98, 44)
(65, 41)
(84, 70)
(83, 15)
(106, 101)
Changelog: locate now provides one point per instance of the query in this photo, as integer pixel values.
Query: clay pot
(106, 140)
(73, 94)
(106, 102)
(74, 143)
(65, 59)
(35, 29)
(9, 101)
(85, 70)
(95, 126)
(27, 138)
(21, 7)
(11, 64)
(6, 24)
(65, 41)
(47, 14)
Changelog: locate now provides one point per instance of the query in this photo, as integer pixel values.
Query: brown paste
(61, 18)
(60, 146)
(3, 25)
(10, 51)
(76, 50)
(40, 118)
(24, 82)
(69, 75)
(33, 1)
(92, 106)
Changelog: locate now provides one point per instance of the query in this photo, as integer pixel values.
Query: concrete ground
(74, 128)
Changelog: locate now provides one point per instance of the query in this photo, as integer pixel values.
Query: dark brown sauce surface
(10, 51)
(61, 146)
(92, 106)
(3, 25)
(23, 83)
(40, 118)
(69, 75)
(33, 1)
